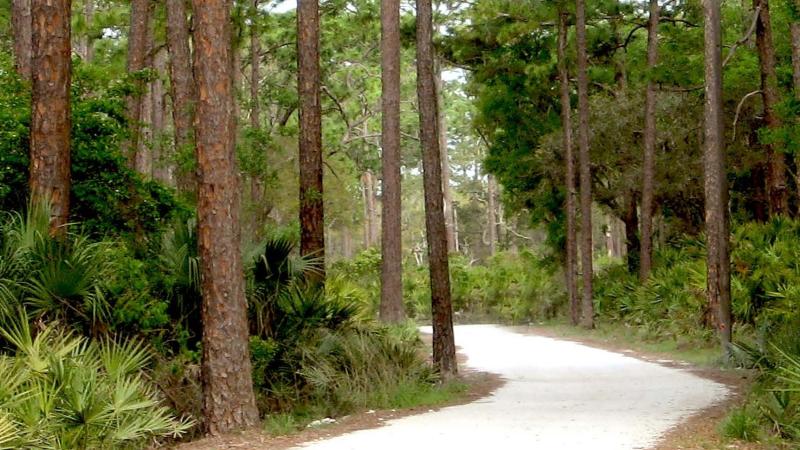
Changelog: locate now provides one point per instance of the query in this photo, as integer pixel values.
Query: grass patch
(743, 424)
(700, 354)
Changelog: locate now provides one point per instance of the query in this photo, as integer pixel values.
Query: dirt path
(558, 394)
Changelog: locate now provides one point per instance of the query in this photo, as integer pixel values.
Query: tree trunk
(569, 158)
(444, 350)
(181, 84)
(491, 218)
(50, 109)
(255, 66)
(370, 209)
(795, 32)
(587, 318)
(776, 160)
(715, 177)
(312, 229)
(449, 214)
(21, 30)
(650, 140)
(85, 42)
(228, 398)
(163, 166)
(139, 43)
(632, 244)
(392, 309)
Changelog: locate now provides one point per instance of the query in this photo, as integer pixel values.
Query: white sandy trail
(559, 395)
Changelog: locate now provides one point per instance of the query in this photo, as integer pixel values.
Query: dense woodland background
(175, 173)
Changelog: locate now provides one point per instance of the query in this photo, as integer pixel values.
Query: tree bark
(163, 166)
(587, 313)
(444, 351)
(776, 160)
(449, 213)
(569, 167)
(650, 140)
(255, 68)
(50, 109)
(715, 177)
(312, 229)
(632, 243)
(391, 309)
(795, 44)
(182, 85)
(370, 209)
(491, 218)
(23, 40)
(85, 42)
(139, 40)
(228, 398)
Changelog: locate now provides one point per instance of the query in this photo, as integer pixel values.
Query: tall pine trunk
(776, 160)
(587, 313)
(650, 140)
(312, 222)
(228, 398)
(85, 42)
(449, 212)
(391, 309)
(50, 108)
(255, 67)
(444, 350)
(716, 190)
(491, 214)
(23, 40)
(182, 86)
(139, 43)
(569, 168)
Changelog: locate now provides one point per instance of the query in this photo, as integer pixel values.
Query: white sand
(558, 395)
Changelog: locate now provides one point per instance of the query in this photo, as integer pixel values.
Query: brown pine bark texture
(50, 108)
(255, 66)
(182, 85)
(228, 398)
(449, 212)
(444, 350)
(23, 40)
(312, 222)
(569, 168)
(587, 305)
(715, 179)
(391, 308)
(139, 42)
(650, 140)
(776, 160)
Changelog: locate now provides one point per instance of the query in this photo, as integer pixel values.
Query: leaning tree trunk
(776, 160)
(444, 350)
(139, 39)
(569, 166)
(182, 86)
(228, 398)
(716, 196)
(21, 30)
(587, 317)
(312, 222)
(391, 309)
(50, 109)
(650, 139)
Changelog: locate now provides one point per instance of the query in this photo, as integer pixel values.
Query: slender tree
(139, 43)
(795, 45)
(449, 211)
(228, 398)
(716, 191)
(391, 239)
(569, 158)
(650, 139)
(182, 84)
(776, 160)
(85, 42)
(587, 305)
(23, 41)
(255, 66)
(444, 350)
(491, 213)
(312, 222)
(50, 108)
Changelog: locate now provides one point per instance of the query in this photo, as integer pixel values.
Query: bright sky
(281, 6)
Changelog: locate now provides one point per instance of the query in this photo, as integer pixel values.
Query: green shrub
(742, 423)
(61, 391)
